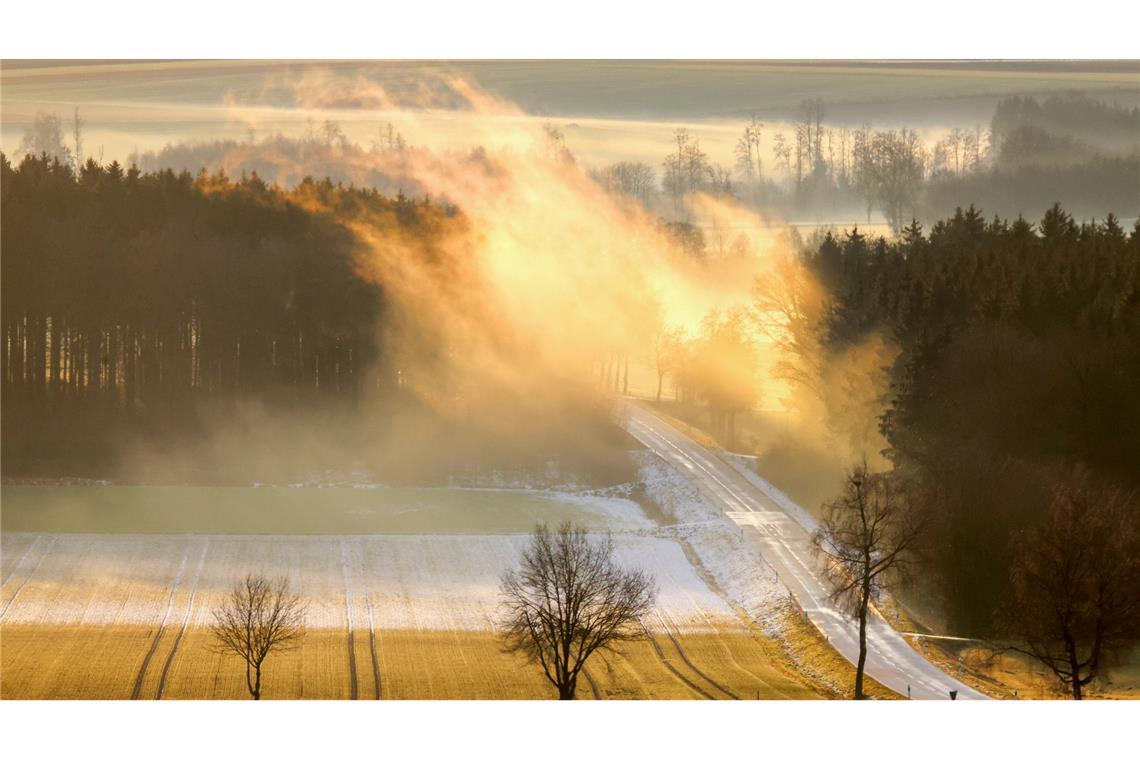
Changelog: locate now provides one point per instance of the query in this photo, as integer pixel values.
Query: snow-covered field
(442, 582)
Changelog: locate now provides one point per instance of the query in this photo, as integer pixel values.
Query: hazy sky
(609, 110)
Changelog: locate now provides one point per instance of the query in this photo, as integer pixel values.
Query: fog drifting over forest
(600, 204)
(609, 110)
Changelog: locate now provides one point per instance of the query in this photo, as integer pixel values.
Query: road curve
(785, 544)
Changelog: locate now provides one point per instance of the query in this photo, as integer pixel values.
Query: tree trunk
(660, 380)
(565, 692)
(253, 684)
(1074, 668)
(862, 643)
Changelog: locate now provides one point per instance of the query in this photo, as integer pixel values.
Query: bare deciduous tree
(629, 178)
(259, 616)
(569, 599)
(865, 537)
(668, 349)
(687, 171)
(1075, 597)
(748, 159)
(45, 136)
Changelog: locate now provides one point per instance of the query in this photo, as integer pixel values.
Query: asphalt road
(779, 533)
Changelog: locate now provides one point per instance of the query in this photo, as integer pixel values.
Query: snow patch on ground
(716, 543)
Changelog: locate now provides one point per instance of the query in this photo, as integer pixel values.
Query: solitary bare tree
(259, 616)
(569, 599)
(865, 537)
(1075, 584)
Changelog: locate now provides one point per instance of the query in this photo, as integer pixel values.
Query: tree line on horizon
(1034, 152)
(1066, 147)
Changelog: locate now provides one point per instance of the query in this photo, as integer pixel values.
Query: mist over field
(502, 306)
(609, 110)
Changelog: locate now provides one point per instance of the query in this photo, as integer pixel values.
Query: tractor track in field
(376, 680)
(161, 627)
(375, 661)
(185, 621)
(371, 630)
(40, 561)
(348, 620)
(672, 669)
(687, 661)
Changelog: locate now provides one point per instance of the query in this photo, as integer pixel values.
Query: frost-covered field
(442, 582)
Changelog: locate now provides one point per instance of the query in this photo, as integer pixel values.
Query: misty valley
(722, 381)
